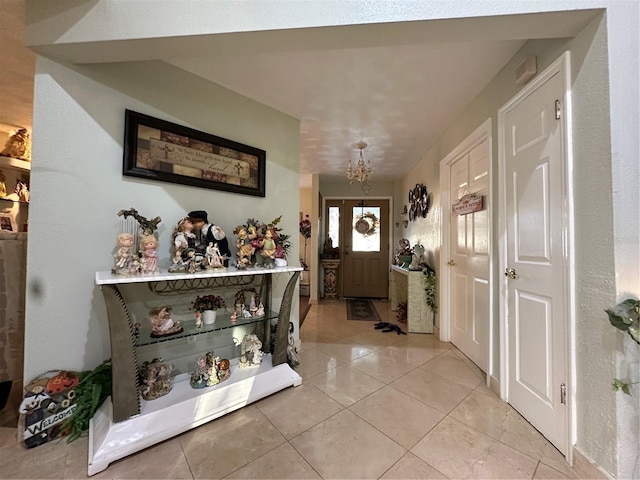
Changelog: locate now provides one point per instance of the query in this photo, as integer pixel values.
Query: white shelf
(182, 409)
(16, 163)
(107, 278)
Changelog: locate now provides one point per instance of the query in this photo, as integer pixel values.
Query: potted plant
(207, 306)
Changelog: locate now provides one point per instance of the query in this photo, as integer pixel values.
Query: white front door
(469, 257)
(535, 262)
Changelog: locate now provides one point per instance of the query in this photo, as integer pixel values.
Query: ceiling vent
(526, 70)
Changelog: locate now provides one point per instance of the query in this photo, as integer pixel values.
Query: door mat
(361, 309)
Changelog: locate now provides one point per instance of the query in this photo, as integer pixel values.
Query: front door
(535, 261)
(363, 236)
(469, 257)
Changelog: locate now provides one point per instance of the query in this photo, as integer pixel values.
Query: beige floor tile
(382, 367)
(294, 410)
(8, 436)
(459, 451)
(343, 350)
(313, 361)
(490, 415)
(165, 460)
(345, 446)
(433, 390)
(345, 384)
(44, 461)
(449, 366)
(400, 417)
(545, 472)
(412, 354)
(76, 461)
(411, 467)
(222, 446)
(281, 462)
(375, 339)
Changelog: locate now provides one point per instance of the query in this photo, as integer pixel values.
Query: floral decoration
(282, 240)
(208, 302)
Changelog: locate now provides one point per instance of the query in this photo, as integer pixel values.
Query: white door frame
(365, 198)
(561, 65)
(483, 132)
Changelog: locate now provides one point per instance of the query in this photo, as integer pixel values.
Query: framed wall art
(7, 223)
(155, 149)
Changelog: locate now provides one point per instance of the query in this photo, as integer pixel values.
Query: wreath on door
(366, 224)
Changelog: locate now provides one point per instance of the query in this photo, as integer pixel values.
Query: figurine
(292, 351)
(183, 236)
(267, 253)
(155, 379)
(125, 261)
(199, 320)
(18, 145)
(260, 311)
(193, 262)
(161, 323)
(147, 227)
(253, 308)
(234, 317)
(149, 253)
(177, 264)
(208, 233)
(210, 370)
(251, 353)
(245, 250)
(136, 329)
(213, 258)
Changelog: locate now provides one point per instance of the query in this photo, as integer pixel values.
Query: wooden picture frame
(7, 223)
(155, 149)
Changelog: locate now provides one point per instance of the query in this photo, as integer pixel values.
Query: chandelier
(362, 173)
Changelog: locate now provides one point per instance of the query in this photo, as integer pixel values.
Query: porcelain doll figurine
(260, 311)
(125, 259)
(268, 251)
(177, 264)
(149, 253)
(292, 351)
(184, 236)
(214, 259)
(208, 232)
(161, 323)
(245, 250)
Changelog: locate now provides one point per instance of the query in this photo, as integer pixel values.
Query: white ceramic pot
(209, 317)
(281, 262)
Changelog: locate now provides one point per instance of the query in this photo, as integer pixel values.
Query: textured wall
(77, 172)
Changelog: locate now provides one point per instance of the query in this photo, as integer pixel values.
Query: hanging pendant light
(362, 173)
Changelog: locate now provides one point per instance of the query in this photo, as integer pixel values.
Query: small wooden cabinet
(408, 286)
(125, 423)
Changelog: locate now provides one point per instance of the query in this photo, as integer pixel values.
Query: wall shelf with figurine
(127, 423)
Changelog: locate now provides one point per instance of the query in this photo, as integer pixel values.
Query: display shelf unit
(125, 423)
(15, 163)
(408, 286)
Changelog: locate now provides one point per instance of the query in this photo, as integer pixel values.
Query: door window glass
(334, 226)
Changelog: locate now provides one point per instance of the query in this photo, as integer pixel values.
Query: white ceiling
(395, 86)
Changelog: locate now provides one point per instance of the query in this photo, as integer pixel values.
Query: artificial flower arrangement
(208, 302)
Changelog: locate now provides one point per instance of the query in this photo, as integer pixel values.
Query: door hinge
(563, 393)
(557, 109)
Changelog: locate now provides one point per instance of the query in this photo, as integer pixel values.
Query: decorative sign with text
(159, 150)
(468, 204)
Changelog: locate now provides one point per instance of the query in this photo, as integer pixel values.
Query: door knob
(511, 273)
(451, 263)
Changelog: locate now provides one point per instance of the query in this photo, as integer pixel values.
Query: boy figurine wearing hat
(209, 233)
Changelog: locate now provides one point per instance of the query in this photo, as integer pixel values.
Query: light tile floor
(371, 405)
